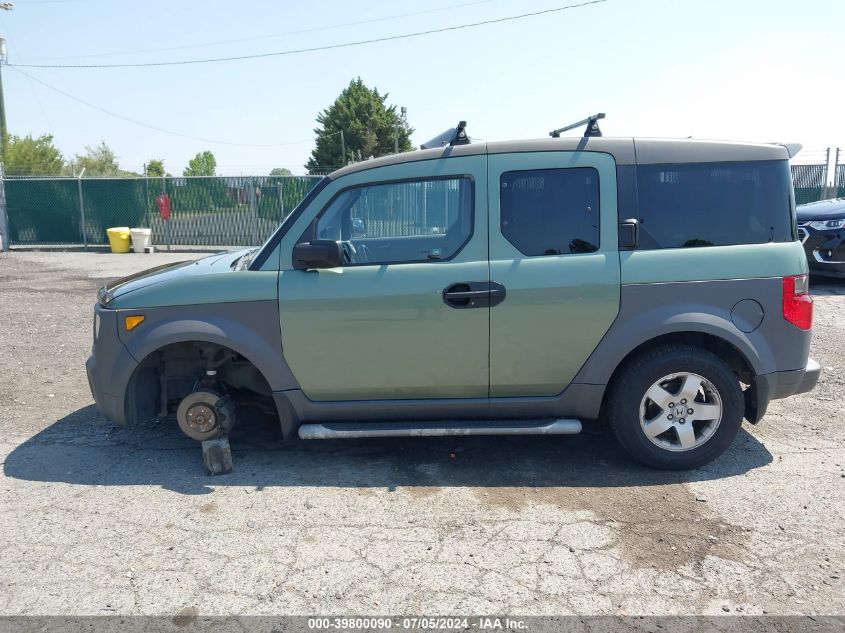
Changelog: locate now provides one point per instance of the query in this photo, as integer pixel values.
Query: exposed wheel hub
(201, 418)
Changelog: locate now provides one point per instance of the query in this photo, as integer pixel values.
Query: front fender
(249, 328)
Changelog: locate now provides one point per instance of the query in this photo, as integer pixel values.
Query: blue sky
(743, 69)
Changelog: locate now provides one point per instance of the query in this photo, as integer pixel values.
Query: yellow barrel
(118, 239)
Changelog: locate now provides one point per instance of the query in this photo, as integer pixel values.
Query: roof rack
(591, 122)
(452, 136)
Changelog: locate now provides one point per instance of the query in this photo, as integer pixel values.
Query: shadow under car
(85, 449)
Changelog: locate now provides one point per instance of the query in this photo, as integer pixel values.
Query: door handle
(497, 293)
(473, 294)
(468, 294)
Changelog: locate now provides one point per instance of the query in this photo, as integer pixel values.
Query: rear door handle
(473, 294)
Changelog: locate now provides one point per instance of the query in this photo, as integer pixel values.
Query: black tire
(638, 375)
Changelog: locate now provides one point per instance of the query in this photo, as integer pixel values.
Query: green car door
(554, 248)
(399, 320)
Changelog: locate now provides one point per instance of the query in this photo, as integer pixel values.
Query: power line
(149, 126)
(28, 2)
(272, 35)
(318, 48)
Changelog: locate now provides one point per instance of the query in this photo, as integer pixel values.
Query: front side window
(551, 211)
(714, 204)
(399, 222)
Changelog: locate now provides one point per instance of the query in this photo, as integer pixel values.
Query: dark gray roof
(626, 151)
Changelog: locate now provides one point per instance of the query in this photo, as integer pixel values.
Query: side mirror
(317, 254)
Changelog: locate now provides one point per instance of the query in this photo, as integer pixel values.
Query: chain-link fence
(809, 182)
(214, 211)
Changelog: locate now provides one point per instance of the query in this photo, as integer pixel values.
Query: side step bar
(351, 430)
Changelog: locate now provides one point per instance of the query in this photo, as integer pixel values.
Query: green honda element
(505, 288)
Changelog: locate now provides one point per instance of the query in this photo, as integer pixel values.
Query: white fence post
(82, 227)
(5, 238)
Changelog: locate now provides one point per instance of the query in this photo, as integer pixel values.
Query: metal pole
(836, 174)
(5, 238)
(149, 223)
(253, 207)
(82, 210)
(169, 230)
(826, 168)
(342, 150)
(4, 132)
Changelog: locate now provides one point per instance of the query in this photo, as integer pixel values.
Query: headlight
(823, 225)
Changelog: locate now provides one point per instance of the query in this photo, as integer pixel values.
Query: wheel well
(735, 359)
(168, 374)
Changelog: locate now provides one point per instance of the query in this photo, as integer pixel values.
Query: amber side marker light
(131, 322)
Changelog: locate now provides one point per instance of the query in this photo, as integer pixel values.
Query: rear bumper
(789, 383)
(777, 385)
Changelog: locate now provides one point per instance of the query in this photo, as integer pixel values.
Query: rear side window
(551, 211)
(714, 204)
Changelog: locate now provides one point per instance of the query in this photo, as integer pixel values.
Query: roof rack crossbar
(591, 122)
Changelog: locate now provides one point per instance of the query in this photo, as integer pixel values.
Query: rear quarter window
(714, 204)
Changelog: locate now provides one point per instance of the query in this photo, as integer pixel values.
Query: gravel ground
(96, 519)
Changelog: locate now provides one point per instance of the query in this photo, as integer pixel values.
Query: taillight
(797, 302)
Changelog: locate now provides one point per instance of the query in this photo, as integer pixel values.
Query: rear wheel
(676, 407)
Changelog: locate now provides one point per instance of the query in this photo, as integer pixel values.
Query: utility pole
(342, 150)
(401, 123)
(4, 142)
(4, 132)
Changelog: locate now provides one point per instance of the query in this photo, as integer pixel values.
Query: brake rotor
(205, 415)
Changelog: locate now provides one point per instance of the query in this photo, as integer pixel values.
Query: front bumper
(110, 367)
(109, 405)
(825, 250)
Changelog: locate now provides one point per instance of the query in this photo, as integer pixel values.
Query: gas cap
(747, 315)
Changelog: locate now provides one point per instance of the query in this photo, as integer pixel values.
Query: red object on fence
(163, 202)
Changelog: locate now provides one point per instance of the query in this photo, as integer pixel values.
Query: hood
(823, 210)
(217, 263)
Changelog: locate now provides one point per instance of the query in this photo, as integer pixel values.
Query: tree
(281, 171)
(27, 156)
(369, 128)
(99, 161)
(155, 168)
(203, 164)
